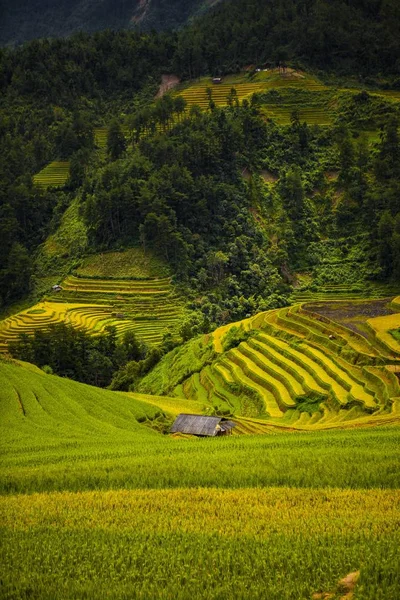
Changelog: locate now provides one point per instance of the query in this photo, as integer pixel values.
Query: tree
(387, 163)
(116, 144)
(18, 273)
(385, 232)
(292, 192)
(395, 247)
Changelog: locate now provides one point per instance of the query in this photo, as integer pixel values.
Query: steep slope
(22, 21)
(291, 367)
(38, 407)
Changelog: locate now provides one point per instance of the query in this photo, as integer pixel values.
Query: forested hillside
(203, 221)
(271, 180)
(23, 21)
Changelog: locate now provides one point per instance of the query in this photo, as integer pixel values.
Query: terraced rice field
(55, 174)
(330, 292)
(300, 370)
(100, 137)
(150, 308)
(96, 503)
(196, 93)
(381, 327)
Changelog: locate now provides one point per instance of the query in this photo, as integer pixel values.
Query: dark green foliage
(181, 194)
(330, 35)
(309, 404)
(76, 354)
(115, 140)
(235, 336)
(172, 180)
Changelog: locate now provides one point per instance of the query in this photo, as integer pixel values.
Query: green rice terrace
(307, 366)
(139, 301)
(55, 174)
(279, 93)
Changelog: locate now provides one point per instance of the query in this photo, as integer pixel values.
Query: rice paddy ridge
(326, 292)
(245, 86)
(149, 308)
(55, 174)
(299, 370)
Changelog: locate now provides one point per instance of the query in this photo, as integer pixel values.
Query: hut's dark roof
(200, 425)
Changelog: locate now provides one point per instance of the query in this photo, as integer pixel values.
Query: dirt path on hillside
(168, 82)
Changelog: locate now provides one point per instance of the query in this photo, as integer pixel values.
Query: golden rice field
(95, 503)
(196, 93)
(316, 108)
(180, 543)
(296, 370)
(148, 307)
(55, 174)
(381, 327)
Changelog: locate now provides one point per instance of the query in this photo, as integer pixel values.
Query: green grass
(54, 174)
(94, 502)
(134, 263)
(274, 543)
(60, 435)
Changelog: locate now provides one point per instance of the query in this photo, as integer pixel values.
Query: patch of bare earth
(168, 82)
(344, 590)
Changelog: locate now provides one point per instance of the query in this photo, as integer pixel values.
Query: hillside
(294, 367)
(23, 21)
(229, 247)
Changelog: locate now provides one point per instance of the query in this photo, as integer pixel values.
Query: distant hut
(202, 426)
(217, 80)
(56, 288)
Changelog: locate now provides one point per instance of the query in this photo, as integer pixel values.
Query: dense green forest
(172, 177)
(23, 21)
(361, 36)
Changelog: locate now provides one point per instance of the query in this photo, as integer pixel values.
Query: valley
(200, 223)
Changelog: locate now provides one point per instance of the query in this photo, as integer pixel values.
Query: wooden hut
(202, 426)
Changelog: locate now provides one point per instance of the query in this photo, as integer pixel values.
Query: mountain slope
(22, 21)
(292, 367)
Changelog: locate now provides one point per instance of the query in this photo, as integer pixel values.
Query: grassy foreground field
(96, 504)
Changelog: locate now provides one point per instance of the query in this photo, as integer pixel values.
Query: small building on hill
(202, 426)
(56, 288)
(217, 80)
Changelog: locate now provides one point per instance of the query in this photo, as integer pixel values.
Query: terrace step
(300, 357)
(304, 377)
(263, 399)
